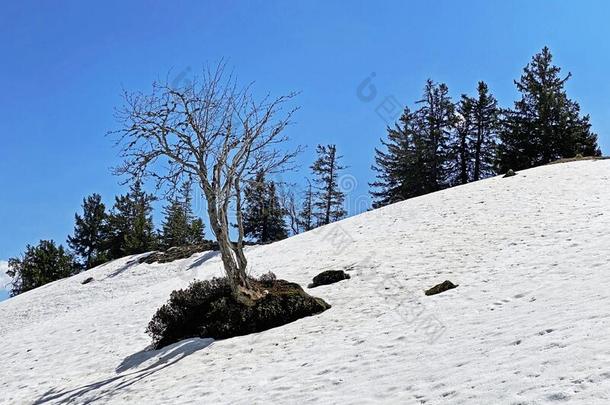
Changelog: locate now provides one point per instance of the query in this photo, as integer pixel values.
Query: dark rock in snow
(510, 173)
(87, 280)
(439, 288)
(328, 277)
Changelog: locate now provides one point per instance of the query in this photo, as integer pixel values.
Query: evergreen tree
(545, 124)
(436, 119)
(180, 227)
(421, 151)
(306, 218)
(40, 265)
(397, 169)
(90, 229)
(462, 152)
(475, 137)
(130, 223)
(263, 216)
(328, 197)
(483, 140)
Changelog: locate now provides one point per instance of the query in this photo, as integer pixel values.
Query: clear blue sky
(64, 63)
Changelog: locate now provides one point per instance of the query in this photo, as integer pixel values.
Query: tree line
(436, 144)
(441, 143)
(101, 235)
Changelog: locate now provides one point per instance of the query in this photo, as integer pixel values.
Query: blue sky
(63, 65)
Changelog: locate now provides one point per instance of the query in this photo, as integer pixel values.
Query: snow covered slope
(528, 324)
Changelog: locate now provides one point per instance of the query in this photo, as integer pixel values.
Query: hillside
(528, 323)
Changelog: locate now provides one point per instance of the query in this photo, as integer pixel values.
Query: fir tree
(263, 216)
(306, 217)
(436, 119)
(180, 227)
(130, 223)
(90, 232)
(463, 128)
(328, 198)
(483, 140)
(40, 265)
(545, 124)
(475, 137)
(397, 171)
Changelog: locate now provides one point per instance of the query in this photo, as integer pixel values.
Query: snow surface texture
(528, 324)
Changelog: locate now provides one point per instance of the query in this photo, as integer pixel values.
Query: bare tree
(215, 132)
(290, 207)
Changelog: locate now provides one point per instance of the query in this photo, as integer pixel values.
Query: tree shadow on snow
(107, 388)
(133, 262)
(204, 258)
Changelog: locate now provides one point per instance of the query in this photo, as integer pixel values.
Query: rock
(207, 309)
(87, 280)
(439, 288)
(328, 277)
(510, 173)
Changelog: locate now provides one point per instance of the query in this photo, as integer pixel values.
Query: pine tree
(475, 137)
(180, 227)
(545, 124)
(328, 198)
(397, 170)
(130, 223)
(422, 154)
(40, 265)
(483, 141)
(263, 217)
(306, 218)
(436, 119)
(89, 239)
(462, 152)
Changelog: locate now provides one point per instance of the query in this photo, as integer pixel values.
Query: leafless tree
(212, 131)
(290, 207)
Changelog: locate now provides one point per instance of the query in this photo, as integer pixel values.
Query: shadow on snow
(107, 388)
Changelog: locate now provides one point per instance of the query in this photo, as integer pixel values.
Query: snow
(528, 323)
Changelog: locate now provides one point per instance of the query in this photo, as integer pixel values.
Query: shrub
(207, 309)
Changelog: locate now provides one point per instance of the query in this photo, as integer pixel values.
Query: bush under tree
(209, 309)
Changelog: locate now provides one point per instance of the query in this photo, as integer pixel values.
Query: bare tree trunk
(233, 258)
(329, 190)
